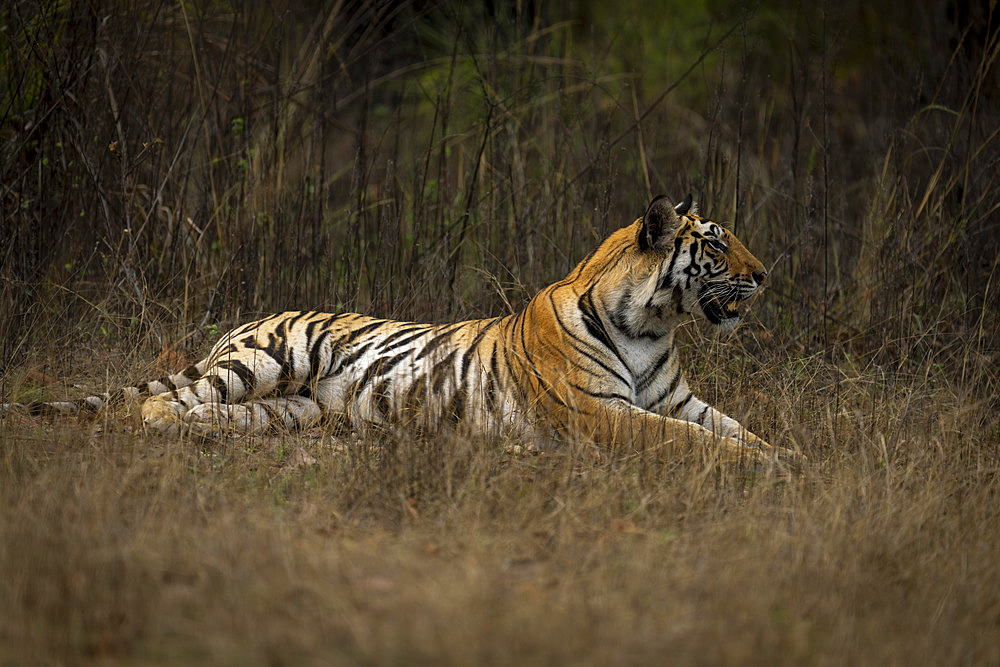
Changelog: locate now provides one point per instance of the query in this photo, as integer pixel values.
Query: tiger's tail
(98, 402)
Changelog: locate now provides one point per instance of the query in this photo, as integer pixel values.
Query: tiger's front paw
(765, 454)
(780, 458)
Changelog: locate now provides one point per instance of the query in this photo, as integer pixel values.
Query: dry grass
(138, 550)
(167, 170)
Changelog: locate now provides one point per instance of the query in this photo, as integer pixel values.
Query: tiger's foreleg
(617, 424)
(697, 411)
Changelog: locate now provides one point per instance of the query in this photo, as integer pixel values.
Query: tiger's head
(678, 262)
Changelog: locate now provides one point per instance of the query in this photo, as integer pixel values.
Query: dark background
(170, 168)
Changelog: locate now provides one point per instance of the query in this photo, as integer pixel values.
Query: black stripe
(592, 321)
(243, 328)
(345, 341)
(584, 352)
(467, 358)
(576, 342)
(441, 371)
(349, 360)
(384, 345)
(219, 385)
(435, 342)
(525, 361)
(701, 416)
(669, 390)
(666, 283)
(520, 331)
(514, 319)
(606, 260)
(617, 316)
(361, 331)
(527, 367)
(247, 341)
(381, 367)
(714, 274)
(245, 375)
(680, 407)
(600, 394)
(286, 374)
(314, 353)
(583, 264)
(230, 348)
(295, 320)
(311, 330)
(518, 390)
(456, 407)
(492, 378)
(327, 322)
(335, 350)
(414, 397)
(678, 242)
(381, 396)
(423, 330)
(284, 353)
(646, 378)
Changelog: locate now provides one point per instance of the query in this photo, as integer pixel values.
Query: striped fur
(591, 358)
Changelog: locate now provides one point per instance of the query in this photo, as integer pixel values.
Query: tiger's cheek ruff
(642, 307)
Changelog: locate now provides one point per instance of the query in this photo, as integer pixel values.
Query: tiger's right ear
(659, 225)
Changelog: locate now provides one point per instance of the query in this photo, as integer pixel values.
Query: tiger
(591, 358)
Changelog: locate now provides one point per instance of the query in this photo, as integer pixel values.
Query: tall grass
(167, 170)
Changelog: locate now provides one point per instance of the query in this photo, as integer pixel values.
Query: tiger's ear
(686, 206)
(660, 223)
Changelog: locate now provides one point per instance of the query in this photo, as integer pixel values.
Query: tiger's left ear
(660, 223)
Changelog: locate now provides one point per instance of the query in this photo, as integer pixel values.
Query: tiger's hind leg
(165, 412)
(254, 417)
(217, 403)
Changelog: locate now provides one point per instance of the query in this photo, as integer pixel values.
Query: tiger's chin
(728, 326)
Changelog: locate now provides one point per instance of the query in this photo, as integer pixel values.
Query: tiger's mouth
(721, 309)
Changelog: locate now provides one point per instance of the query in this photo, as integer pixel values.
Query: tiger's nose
(759, 276)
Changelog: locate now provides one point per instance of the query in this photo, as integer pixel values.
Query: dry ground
(122, 548)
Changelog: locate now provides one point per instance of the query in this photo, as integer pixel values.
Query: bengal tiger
(591, 358)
